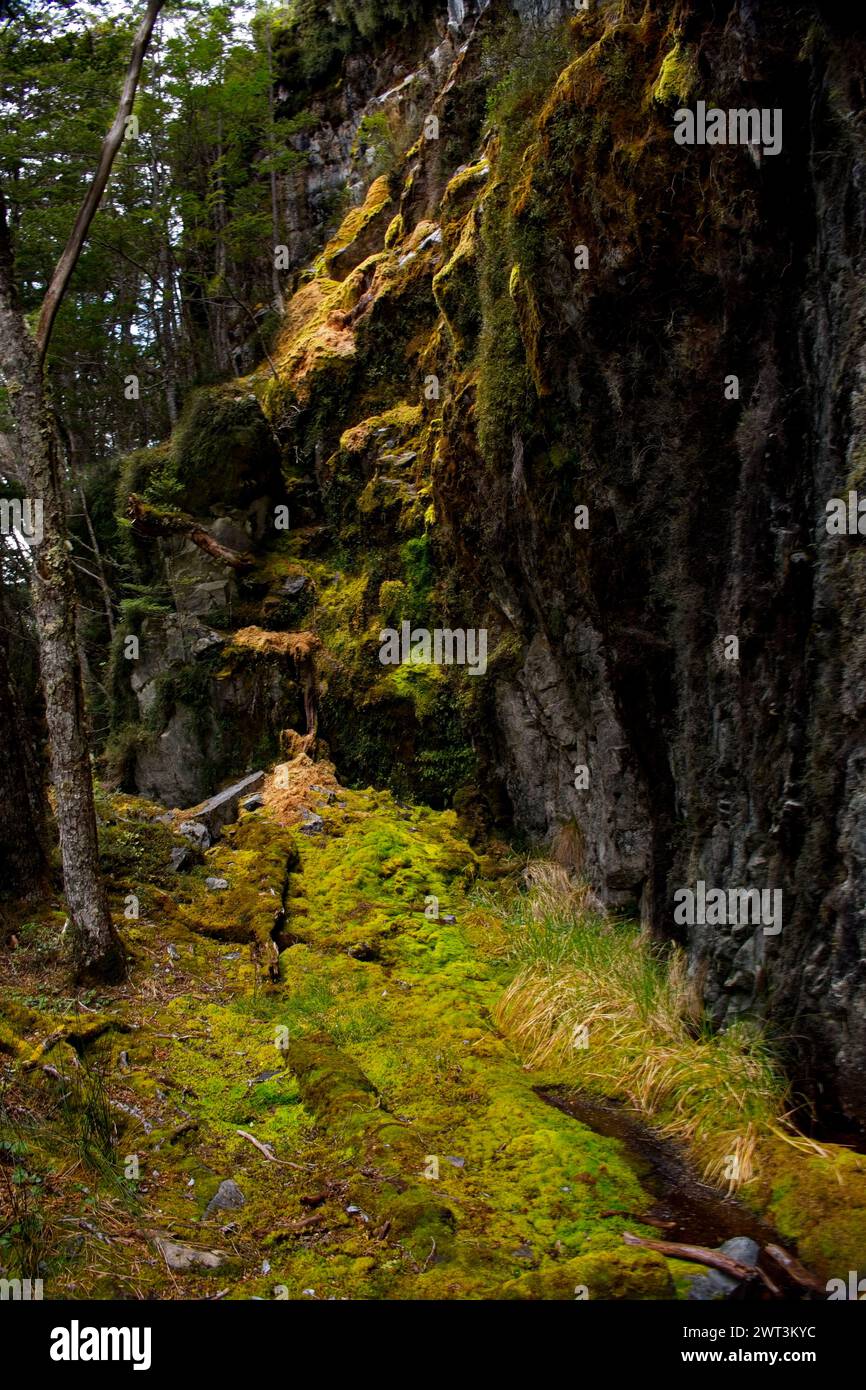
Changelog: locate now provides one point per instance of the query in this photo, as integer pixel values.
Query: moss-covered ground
(404, 1152)
(322, 1032)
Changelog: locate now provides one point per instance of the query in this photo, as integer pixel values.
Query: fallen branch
(695, 1254)
(152, 523)
(262, 1148)
(269, 1153)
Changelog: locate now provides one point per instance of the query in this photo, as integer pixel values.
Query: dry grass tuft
(599, 1001)
(300, 646)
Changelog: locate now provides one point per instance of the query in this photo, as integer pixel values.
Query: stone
(205, 598)
(715, 1285)
(222, 809)
(183, 1258)
(312, 824)
(229, 534)
(182, 859)
(169, 768)
(196, 833)
(228, 1197)
(330, 796)
(216, 885)
(206, 643)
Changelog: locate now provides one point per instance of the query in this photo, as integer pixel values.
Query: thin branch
(110, 146)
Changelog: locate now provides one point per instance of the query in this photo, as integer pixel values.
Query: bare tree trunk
(97, 949)
(279, 302)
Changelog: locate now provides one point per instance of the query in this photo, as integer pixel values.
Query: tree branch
(110, 146)
(150, 523)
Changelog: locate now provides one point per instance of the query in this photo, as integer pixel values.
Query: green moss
(678, 76)
(222, 451)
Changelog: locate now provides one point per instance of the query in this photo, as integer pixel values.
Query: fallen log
(700, 1255)
(150, 522)
(695, 1254)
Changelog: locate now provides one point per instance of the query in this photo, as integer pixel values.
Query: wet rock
(714, 1285)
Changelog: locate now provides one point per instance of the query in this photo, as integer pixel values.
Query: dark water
(698, 1214)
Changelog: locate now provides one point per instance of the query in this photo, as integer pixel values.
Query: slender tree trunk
(97, 950)
(279, 302)
(222, 352)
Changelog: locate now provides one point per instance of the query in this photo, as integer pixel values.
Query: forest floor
(356, 1128)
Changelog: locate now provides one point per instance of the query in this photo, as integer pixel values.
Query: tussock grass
(595, 999)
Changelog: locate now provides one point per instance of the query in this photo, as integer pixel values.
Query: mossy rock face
(455, 287)
(223, 451)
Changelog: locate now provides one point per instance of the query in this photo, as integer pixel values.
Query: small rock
(294, 584)
(714, 1285)
(312, 824)
(228, 1197)
(448, 917)
(253, 803)
(182, 859)
(210, 640)
(173, 953)
(457, 1162)
(330, 797)
(216, 885)
(182, 1258)
(196, 833)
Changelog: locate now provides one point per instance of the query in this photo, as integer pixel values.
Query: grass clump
(598, 999)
